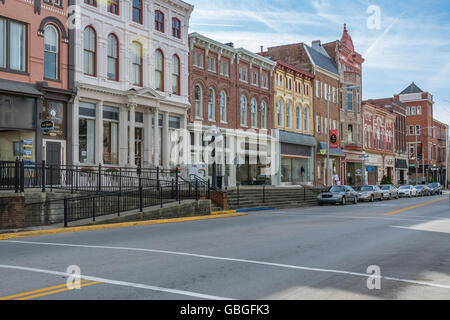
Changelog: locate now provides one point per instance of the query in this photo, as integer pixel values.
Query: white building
(131, 67)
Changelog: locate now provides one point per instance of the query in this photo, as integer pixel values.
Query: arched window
(51, 55)
(175, 75)
(263, 115)
(159, 21)
(113, 58)
(198, 102)
(254, 112)
(137, 63)
(159, 70)
(211, 104)
(90, 51)
(176, 28)
(243, 110)
(280, 112)
(306, 120)
(223, 106)
(288, 115)
(299, 117)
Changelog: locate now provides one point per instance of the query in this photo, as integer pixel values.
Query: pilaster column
(165, 141)
(99, 133)
(131, 144)
(156, 146)
(75, 131)
(148, 135)
(123, 136)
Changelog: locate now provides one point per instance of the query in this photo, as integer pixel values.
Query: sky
(401, 41)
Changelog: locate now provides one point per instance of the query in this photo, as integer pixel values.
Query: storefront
(389, 167)
(297, 159)
(401, 171)
(336, 160)
(374, 169)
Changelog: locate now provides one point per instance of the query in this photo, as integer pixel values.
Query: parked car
(422, 190)
(370, 193)
(337, 194)
(407, 191)
(389, 191)
(436, 188)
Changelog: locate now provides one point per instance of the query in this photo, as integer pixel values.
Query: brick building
(317, 62)
(293, 117)
(231, 93)
(424, 145)
(378, 143)
(349, 63)
(400, 147)
(34, 80)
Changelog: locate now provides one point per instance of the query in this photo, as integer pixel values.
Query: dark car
(422, 190)
(436, 188)
(370, 193)
(389, 191)
(337, 194)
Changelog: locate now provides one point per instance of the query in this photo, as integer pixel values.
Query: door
(53, 161)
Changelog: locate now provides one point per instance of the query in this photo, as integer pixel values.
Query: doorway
(53, 159)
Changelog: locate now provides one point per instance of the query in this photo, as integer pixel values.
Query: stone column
(99, 133)
(131, 145)
(156, 135)
(165, 141)
(123, 136)
(75, 131)
(148, 135)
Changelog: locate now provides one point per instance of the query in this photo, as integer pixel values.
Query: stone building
(231, 95)
(131, 74)
(34, 81)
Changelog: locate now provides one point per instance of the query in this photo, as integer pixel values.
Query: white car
(407, 191)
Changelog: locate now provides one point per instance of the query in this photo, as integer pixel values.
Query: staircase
(271, 197)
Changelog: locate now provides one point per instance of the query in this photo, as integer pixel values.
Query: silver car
(389, 192)
(370, 193)
(407, 191)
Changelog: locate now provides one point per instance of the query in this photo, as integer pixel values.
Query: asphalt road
(307, 253)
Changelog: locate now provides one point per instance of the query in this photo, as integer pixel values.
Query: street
(305, 253)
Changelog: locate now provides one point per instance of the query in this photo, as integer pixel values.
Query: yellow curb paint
(39, 290)
(16, 235)
(223, 212)
(413, 207)
(72, 287)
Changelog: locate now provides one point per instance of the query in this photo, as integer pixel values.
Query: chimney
(262, 50)
(316, 42)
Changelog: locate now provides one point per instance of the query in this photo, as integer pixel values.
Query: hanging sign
(47, 126)
(334, 139)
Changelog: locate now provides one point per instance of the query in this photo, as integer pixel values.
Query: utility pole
(329, 182)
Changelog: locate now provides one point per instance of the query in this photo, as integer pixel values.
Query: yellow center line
(39, 290)
(57, 291)
(413, 207)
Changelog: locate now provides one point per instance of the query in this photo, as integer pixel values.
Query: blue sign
(27, 143)
(27, 153)
(370, 169)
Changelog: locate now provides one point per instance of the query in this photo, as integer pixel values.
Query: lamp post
(364, 157)
(417, 133)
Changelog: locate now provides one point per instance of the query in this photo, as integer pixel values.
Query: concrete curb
(16, 235)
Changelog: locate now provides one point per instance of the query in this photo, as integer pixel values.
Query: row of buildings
(124, 83)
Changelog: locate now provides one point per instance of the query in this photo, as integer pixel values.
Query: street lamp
(423, 156)
(328, 133)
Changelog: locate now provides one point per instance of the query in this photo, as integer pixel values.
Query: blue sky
(412, 42)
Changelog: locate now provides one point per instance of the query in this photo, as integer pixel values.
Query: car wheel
(344, 201)
(372, 198)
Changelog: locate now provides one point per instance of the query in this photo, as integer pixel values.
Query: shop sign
(27, 154)
(334, 143)
(27, 143)
(47, 126)
(323, 151)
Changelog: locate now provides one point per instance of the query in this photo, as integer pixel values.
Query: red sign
(334, 139)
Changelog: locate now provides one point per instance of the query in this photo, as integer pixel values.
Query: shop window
(54, 111)
(110, 135)
(86, 134)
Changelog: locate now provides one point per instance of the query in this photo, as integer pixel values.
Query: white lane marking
(231, 259)
(431, 226)
(119, 283)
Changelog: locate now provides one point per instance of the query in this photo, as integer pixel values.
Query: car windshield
(419, 187)
(366, 188)
(336, 189)
(404, 187)
(433, 185)
(385, 188)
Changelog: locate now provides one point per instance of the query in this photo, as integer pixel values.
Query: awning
(333, 152)
(297, 138)
(19, 88)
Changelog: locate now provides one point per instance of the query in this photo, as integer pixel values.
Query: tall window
(91, 2)
(350, 133)
(51, 52)
(419, 110)
(2, 43)
(288, 115)
(113, 58)
(159, 21)
(176, 28)
(110, 135)
(159, 70)
(243, 111)
(413, 111)
(137, 63)
(263, 115)
(137, 11)
(175, 75)
(86, 132)
(280, 112)
(223, 106)
(211, 104)
(408, 111)
(113, 6)
(299, 117)
(198, 102)
(254, 112)
(350, 99)
(90, 51)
